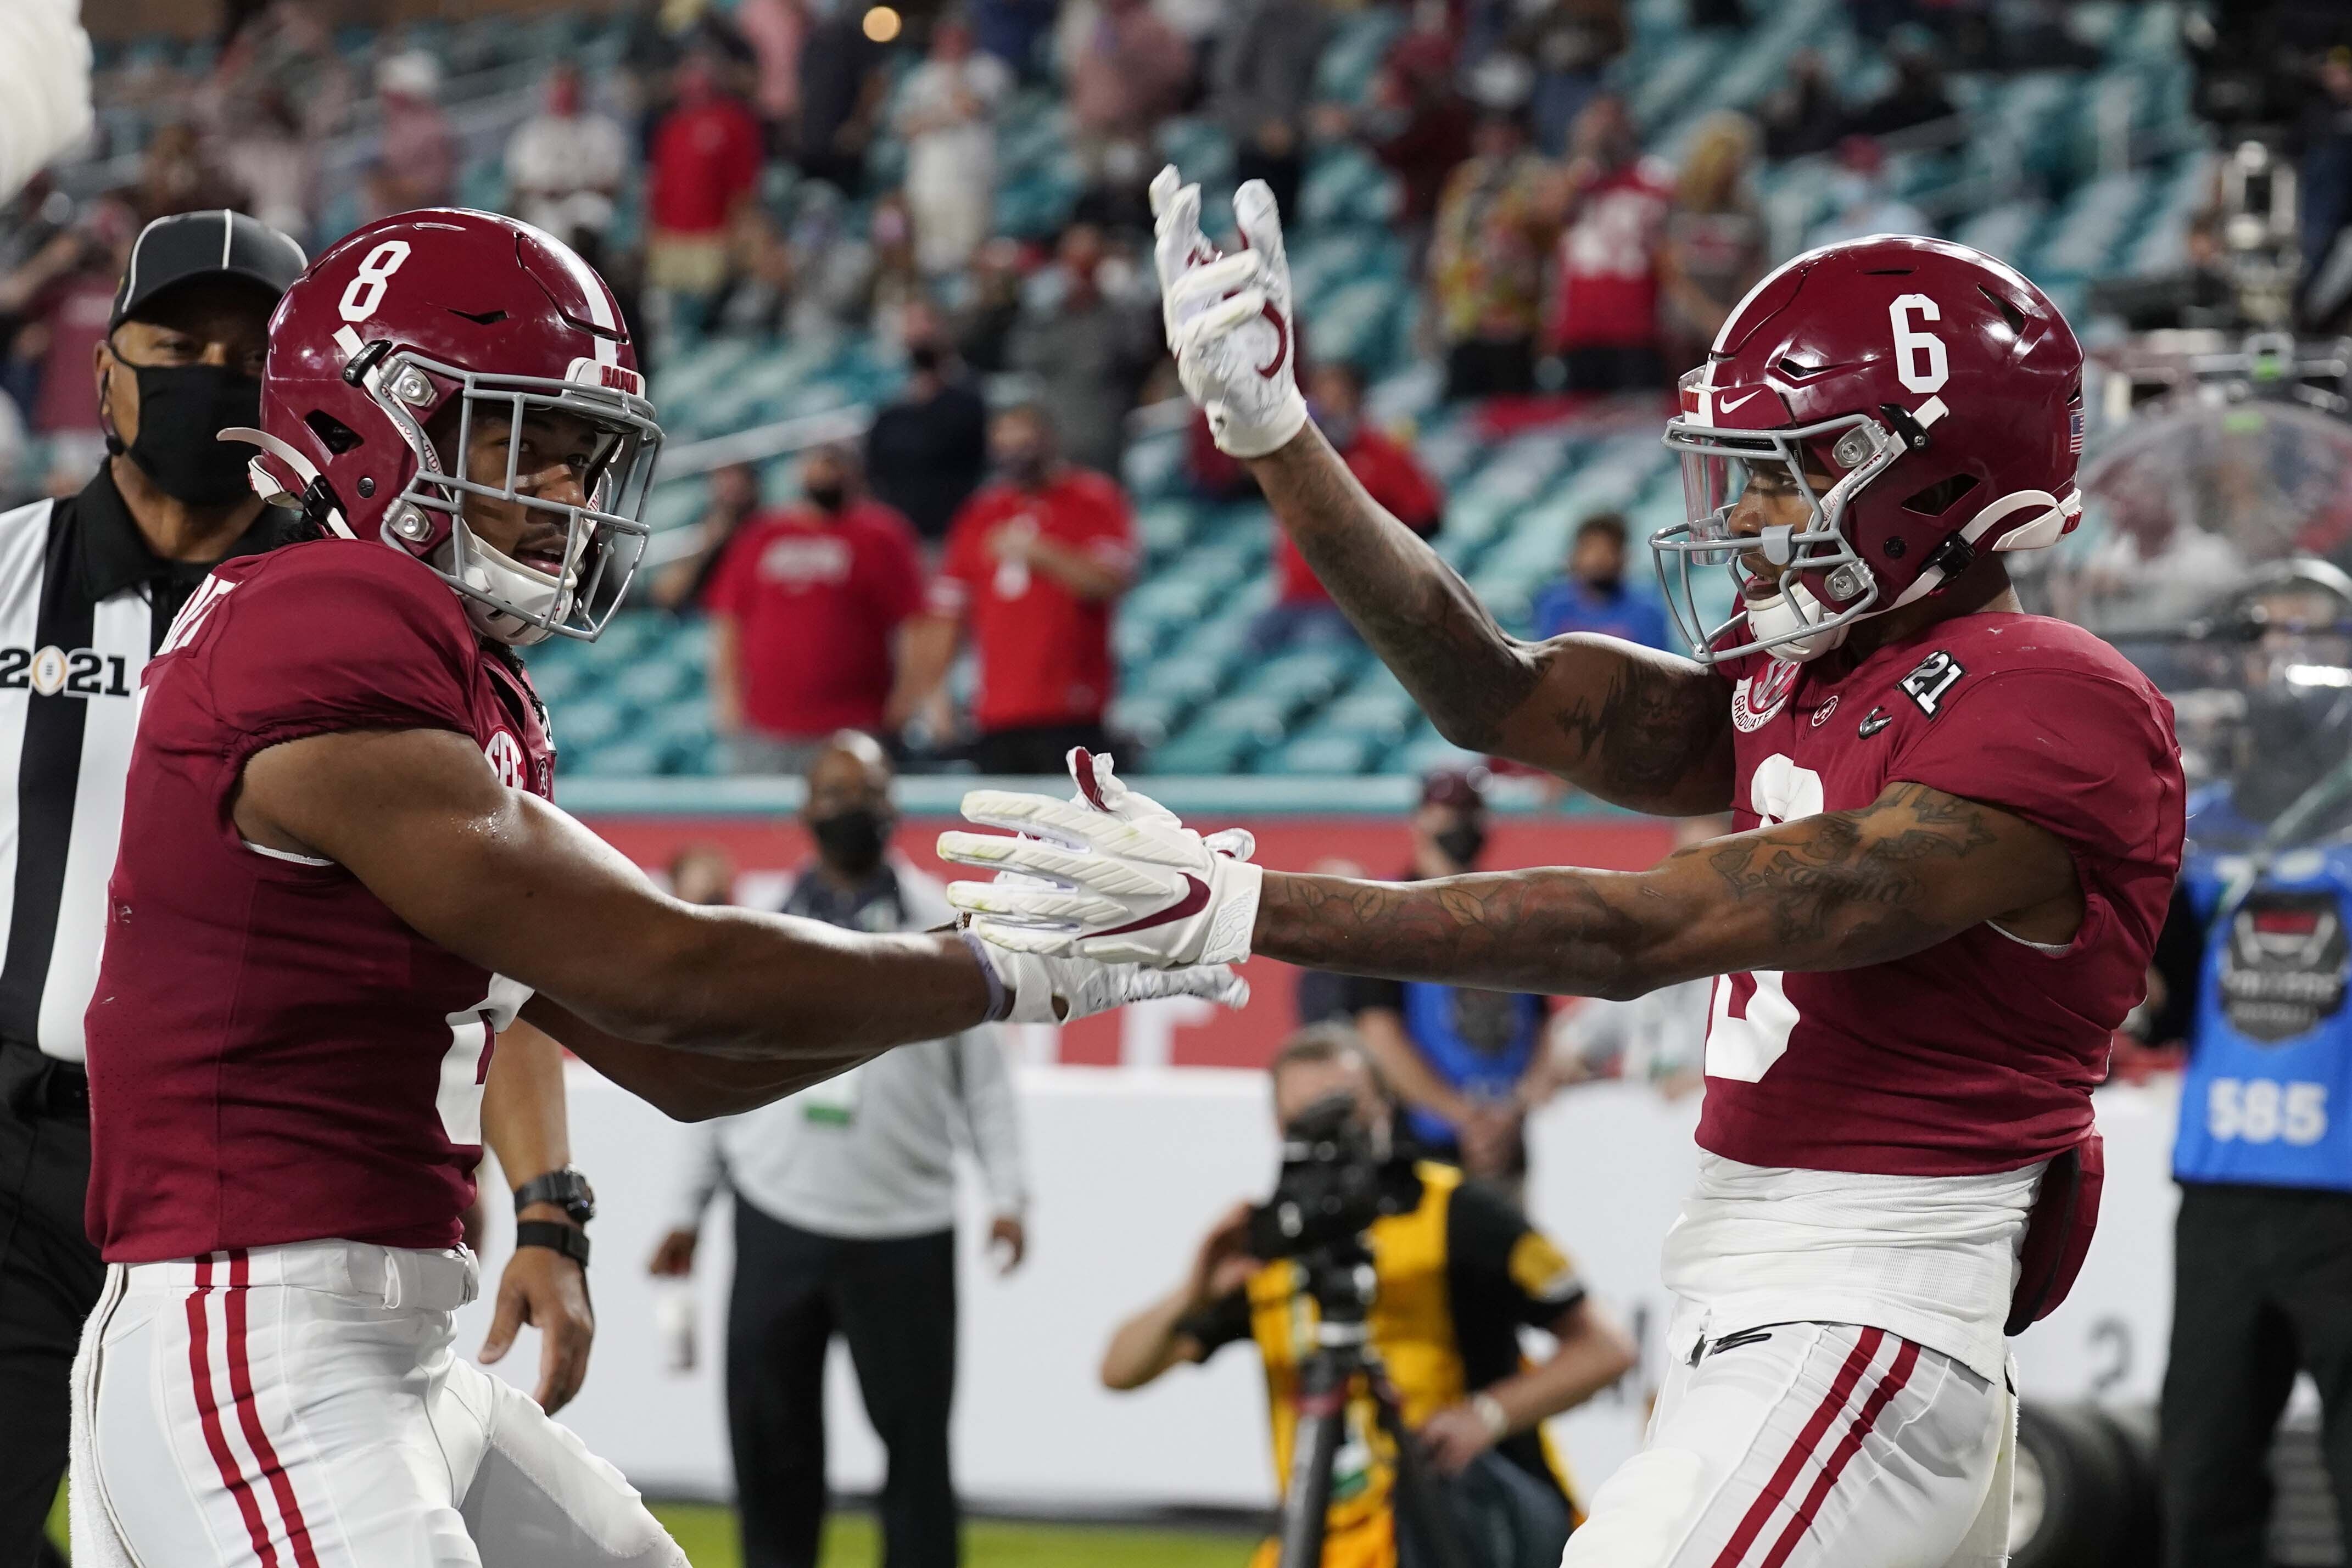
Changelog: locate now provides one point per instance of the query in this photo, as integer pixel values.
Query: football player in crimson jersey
(340, 878)
(1960, 826)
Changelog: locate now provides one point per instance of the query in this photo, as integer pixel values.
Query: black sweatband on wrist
(556, 1236)
(1000, 998)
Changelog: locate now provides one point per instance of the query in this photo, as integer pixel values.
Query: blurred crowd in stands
(815, 169)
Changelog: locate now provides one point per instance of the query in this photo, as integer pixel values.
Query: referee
(88, 586)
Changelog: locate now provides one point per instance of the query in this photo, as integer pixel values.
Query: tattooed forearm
(1832, 891)
(1559, 930)
(1417, 614)
(1640, 728)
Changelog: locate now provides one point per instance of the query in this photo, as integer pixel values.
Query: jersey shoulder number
(1932, 681)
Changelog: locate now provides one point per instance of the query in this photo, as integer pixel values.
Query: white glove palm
(1057, 989)
(1114, 875)
(1229, 318)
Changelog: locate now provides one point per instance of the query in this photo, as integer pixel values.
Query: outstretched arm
(1831, 891)
(1630, 725)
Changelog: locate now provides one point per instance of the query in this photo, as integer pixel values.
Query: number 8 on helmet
(439, 316)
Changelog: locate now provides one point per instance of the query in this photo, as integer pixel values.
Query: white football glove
(1113, 875)
(1229, 318)
(1056, 989)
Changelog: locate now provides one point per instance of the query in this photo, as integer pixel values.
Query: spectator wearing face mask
(1034, 563)
(928, 451)
(1086, 349)
(1461, 1060)
(1594, 595)
(1302, 612)
(806, 610)
(844, 1216)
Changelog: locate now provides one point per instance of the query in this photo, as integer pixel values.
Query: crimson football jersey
(274, 1055)
(1979, 1053)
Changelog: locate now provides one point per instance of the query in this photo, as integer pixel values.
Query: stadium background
(2079, 156)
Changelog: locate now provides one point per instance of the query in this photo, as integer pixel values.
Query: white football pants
(301, 1407)
(1811, 1446)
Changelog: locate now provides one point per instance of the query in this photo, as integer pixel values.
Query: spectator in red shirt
(1034, 563)
(704, 167)
(1302, 613)
(806, 612)
(1605, 324)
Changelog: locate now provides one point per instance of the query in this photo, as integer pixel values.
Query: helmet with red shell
(1938, 391)
(425, 311)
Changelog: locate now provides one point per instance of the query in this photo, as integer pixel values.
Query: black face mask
(181, 409)
(924, 356)
(852, 842)
(825, 497)
(1027, 470)
(1463, 843)
(1606, 587)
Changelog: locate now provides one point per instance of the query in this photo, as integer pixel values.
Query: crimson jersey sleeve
(341, 637)
(2079, 753)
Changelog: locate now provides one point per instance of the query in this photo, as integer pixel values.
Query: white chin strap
(526, 595)
(1793, 614)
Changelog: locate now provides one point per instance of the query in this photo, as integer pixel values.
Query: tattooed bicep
(1916, 866)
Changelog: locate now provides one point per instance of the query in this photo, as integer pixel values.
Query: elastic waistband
(390, 1276)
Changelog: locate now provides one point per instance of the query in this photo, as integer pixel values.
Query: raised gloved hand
(1112, 875)
(1229, 318)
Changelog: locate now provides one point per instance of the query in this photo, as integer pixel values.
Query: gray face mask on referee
(182, 410)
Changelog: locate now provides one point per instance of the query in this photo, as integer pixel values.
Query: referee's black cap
(216, 243)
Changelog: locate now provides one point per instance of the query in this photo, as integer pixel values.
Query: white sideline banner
(1128, 1167)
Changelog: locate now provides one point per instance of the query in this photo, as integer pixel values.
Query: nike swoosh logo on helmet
(1195, 899)
(1725, 406)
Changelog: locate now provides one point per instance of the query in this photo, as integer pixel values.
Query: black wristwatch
(566, 1189)
(553, 1234)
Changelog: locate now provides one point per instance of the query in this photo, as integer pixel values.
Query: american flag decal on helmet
(2075, 427)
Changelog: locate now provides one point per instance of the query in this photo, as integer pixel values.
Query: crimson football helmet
(419, 309)
(1939, 392)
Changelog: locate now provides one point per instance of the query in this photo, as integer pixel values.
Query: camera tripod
(1340, 1278)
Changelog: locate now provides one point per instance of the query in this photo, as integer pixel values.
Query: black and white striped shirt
(83, 602)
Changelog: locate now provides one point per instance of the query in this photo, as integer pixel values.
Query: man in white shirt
(947, 111)
(565, 163)
(844, 1218)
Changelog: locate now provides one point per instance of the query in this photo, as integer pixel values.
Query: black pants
(1038, 748)
(893, 1301)
(2262, 1287)
(49, 1278)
